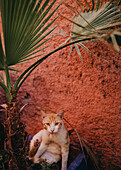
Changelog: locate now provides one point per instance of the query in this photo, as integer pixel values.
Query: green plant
(25, 24)
(25, 27)
(99, 22)
(24, 34)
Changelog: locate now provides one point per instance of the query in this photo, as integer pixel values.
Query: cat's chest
(57, 138)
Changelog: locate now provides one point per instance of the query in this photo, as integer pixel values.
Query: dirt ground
(90, 95)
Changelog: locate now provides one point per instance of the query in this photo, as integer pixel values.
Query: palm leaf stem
(16, 86)
(7, 77)
(1, 55)
(101, 33)
(8, 94)
(81, 34)
(2, 78)
(30, 71)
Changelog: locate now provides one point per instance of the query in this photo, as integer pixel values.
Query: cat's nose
(52, 130)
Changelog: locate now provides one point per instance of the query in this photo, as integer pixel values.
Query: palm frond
(97, 22)
(25, 25)
(105, 17)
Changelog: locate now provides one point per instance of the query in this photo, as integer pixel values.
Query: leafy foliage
(99, 22)
(25, 27)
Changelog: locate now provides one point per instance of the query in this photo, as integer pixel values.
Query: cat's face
(52, 122)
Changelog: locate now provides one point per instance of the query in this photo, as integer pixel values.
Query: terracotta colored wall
(90, 96)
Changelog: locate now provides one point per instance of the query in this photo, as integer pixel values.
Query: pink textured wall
(90, 96)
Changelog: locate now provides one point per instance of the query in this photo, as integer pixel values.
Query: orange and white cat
(51, 143)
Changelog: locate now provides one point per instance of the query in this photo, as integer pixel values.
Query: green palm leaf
(24, 28)
(99, 22)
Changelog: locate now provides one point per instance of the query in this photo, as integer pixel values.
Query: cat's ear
(43, 114)
(61, 114)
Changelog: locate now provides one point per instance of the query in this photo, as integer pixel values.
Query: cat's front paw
(36, 143)
(34, 148)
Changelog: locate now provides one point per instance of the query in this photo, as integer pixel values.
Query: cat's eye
(56, 124)
(47, 124)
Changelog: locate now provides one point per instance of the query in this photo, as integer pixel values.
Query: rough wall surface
(90, 95)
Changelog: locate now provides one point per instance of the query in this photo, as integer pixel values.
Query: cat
(51, 143)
